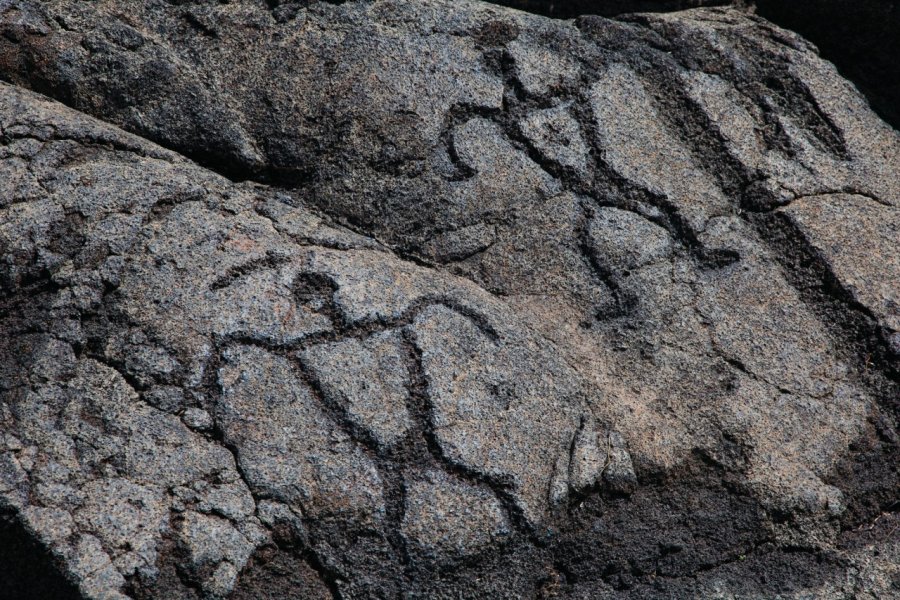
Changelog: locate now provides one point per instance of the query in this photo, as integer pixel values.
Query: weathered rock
(515, 427)
(556, 134)
(444, 519)
(286, 449)
(453, 300)
(859, 37)
(369, 380)
(858, 241)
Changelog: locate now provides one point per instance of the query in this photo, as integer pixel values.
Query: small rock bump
(197, 419)
(589, 457)
(619, 474)
(624, 240)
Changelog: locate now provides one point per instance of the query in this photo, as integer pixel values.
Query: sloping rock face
(859, 36)
(440, 299)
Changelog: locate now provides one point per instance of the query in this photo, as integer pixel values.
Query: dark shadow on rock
(869, 476)
(26, 568)
(276, 574)
(567, 9)
(675, 535)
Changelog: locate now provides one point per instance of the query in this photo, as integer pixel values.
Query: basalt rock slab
(433, 299)
(859, 37)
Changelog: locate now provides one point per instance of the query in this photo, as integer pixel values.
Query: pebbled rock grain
(442, 299)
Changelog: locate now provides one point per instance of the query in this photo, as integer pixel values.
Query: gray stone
(557, 136)
(858, 238)
(197, 419)
(640, 148)
(286, 450)
(619, 472)
(214, 542)
(370, 380)
(446, 519)
(541, 70)
(592, 454)
(128, 520)
(624, 240)
(435, 298)
(460, 244)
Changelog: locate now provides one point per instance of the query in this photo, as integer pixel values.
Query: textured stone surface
(859, 243)
(858, 36)
(441, 299)
(370, 380)
(446, 520)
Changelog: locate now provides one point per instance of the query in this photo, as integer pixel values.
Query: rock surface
(859, 36)
(441, 299)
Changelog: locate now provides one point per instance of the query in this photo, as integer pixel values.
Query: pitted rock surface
(442, 299)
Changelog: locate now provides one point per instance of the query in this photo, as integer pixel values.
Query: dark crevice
(568, 9)
(849, 321)
(329, 576)
(199, 24)
(27, 569)
(623, 303)
(620, 192)
(302, 548)
(90, 142)
(457, 115)
(600, 181)
(847, 190)
(421, 409)
(233, 274)
(366, 328)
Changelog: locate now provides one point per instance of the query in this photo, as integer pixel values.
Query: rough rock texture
(859, 36)
(440, 299)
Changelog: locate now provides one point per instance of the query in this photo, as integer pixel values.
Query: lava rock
(432, 298)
